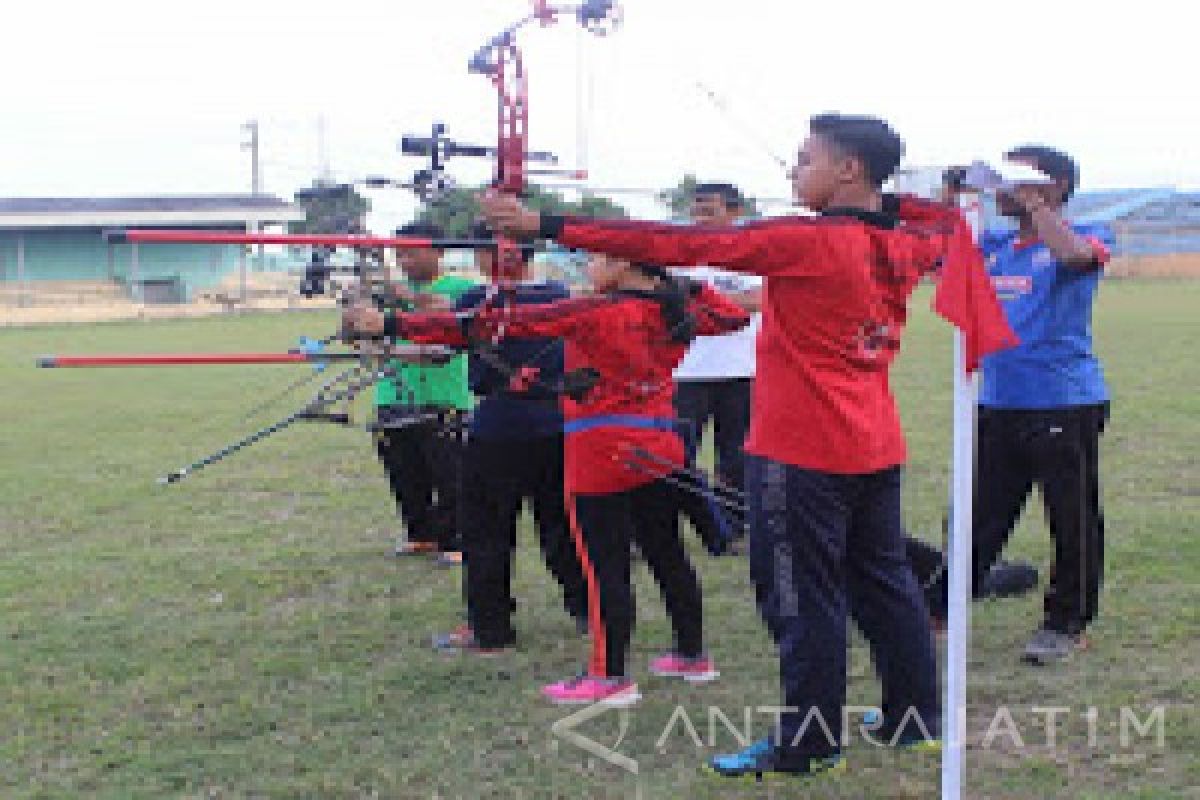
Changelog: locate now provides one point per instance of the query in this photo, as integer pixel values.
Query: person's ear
(1060, 194)
(850, 170)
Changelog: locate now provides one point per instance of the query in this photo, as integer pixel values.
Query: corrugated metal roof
(1146, 221)
(1112, 206)
(174, 203)
(1159, 204)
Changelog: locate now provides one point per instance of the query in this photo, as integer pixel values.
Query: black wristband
(391, 324)
(551, 225)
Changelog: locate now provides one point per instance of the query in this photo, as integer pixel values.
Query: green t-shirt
(432, 385)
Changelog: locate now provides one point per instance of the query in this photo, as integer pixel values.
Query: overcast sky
(129, 97)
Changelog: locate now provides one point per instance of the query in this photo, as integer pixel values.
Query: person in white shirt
(715, 377)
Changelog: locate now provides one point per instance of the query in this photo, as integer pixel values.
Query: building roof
(100, 212)
(1141, 205)
(1146, 221)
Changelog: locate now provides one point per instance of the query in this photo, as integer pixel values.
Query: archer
(514, 455)
(622, 345)
(418, 410)
(825, 444)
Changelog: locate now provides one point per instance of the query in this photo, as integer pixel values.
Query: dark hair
(481, 230)
(1055, 163)
(730, 194)
(868, 139)
(672, 294)
(426, 230)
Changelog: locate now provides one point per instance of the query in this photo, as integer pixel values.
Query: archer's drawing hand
(427, 301)
(508, 216)
(399, 294)
(363, 320)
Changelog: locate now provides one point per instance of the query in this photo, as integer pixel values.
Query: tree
(457, 209)
(591, 205)
(679, 198)
(453, 212)
(330, 209)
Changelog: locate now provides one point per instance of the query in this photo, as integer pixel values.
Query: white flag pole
(966, 388)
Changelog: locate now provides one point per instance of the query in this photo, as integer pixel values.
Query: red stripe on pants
(598, 663)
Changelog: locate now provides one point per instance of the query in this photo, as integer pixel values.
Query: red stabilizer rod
(242, 237)
(306, 239)
(191, 359)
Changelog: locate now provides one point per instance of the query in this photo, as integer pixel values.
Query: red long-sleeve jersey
(627, 340)
(834, 305)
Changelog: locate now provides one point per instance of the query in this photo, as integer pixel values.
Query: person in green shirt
(418, 414)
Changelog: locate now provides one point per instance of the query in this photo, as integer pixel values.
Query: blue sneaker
(756, 754)
(758, 761)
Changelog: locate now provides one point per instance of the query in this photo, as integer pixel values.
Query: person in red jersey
(825, 445)
(621, 346)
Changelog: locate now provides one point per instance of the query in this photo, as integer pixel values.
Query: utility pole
(251, 128)
(324, 173)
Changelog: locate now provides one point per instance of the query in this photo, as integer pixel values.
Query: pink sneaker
(692, 670)
(584, 690)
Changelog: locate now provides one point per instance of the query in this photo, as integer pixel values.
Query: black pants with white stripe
(825, 548)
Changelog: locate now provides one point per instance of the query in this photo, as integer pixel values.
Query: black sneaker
(1050, 646)
(462, 640)
(1009, 579)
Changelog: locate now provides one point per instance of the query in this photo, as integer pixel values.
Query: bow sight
(331, 211)
(499, 60)
(432, 183)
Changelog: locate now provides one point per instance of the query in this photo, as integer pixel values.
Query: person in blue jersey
(514, 454)
(1044, 404)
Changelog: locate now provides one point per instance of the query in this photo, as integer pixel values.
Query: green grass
(246, 634)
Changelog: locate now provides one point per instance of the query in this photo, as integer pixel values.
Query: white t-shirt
(730, 355)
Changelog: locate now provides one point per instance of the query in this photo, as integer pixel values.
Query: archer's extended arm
(793, 246)
(544, 320)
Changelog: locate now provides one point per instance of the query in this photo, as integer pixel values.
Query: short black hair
(730, 194)
(425, 230)
(868, 139)
(481, 230)
(1055, 163)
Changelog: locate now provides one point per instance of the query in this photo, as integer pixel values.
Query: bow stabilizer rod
(409, 353)
(316, 410)
(171, 236)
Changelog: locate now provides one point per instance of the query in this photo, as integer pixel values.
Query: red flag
(964, 297)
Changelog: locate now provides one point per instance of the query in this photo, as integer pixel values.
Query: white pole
(959, 565)
(256, 189)
(966, 389)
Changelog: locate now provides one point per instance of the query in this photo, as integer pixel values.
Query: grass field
(247, 634)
